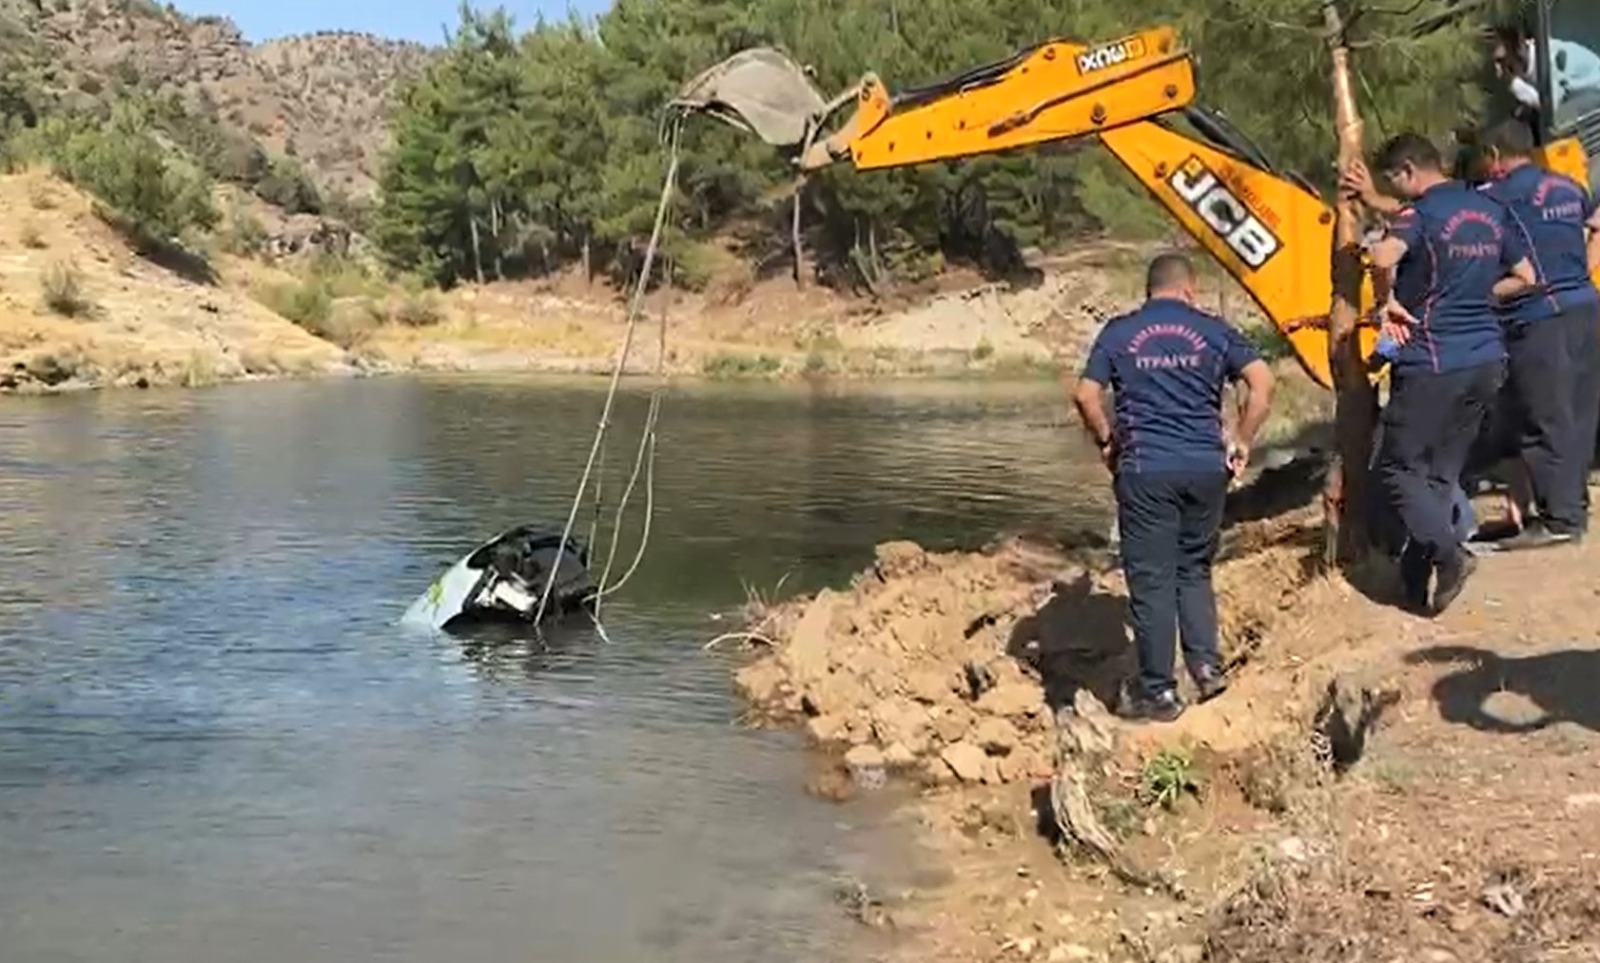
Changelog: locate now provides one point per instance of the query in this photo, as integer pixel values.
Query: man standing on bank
(1167, 364)
(1450, 254)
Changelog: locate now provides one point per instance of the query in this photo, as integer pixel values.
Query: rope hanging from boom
(644, 460)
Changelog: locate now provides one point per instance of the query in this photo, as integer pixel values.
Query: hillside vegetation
(452, 207)
(521, 154)
(319, 102)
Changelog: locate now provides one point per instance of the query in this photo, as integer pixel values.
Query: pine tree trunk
(1345, 496)
(872, 249)
(494, 235)
(477, 254)
(588, 263)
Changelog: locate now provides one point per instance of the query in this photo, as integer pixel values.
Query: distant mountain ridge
(320, 98)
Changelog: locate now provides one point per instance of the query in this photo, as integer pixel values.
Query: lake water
(215, 744)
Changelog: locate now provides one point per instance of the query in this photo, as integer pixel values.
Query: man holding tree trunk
(1449, 253)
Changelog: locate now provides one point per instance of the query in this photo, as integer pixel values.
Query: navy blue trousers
(1583, 346)
(1553, 388)
(1170, 524)
(1429, 426)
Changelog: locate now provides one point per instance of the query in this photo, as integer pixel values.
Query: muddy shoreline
(36, 382)
(1295, 817)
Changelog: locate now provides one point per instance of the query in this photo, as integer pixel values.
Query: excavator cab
(1565, 75)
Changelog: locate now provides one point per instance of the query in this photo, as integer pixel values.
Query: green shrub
(286, 185)
(727, 365)
(308, 303)
(347, 277)
(694, 266)
(419, 311)
(139, 185)
(244, 233)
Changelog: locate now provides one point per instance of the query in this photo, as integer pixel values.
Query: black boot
(1210, 682)
(1163, 707)
(1536, 534)
(1451, 578)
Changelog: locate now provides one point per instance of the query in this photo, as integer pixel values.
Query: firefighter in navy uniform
(1167, 364)
(1451, 251)
(1552, 335)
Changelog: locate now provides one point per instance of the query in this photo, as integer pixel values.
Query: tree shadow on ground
(1076, 641)
(1562, 684)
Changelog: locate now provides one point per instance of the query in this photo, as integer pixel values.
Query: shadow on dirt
(1562, 684)
(1076, 641)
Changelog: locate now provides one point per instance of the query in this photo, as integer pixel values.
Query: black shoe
(1210, 682)
(1452, 577)
(1163, 707)
(1536, 534)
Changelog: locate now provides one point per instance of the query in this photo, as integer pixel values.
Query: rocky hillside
(320, 99)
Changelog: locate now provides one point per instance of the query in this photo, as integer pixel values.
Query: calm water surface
(216, 746)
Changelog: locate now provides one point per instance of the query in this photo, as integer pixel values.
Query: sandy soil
(130, 321)
(1374, 787)
(770, 329)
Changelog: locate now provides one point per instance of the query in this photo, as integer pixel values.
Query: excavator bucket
(759, 90)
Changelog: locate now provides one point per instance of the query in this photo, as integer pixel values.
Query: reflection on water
(216, 746)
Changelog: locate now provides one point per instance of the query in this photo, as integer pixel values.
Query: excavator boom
(1058, 90)
(1269, 230)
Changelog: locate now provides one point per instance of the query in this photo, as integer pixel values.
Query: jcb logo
(1222, 211)
(1110, 55)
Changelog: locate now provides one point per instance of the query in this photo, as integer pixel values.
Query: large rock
(899, 720)
(826, 730)
(899, 559)
(1013, 699)
(997, 736)
(806, 654)
(952, 723)
(864, 758)
(761, 682)
(899, 756)
(931, 686)
(969, 763)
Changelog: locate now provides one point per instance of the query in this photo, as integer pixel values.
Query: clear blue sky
(403, 19)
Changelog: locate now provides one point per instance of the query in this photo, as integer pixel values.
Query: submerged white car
(502, 580)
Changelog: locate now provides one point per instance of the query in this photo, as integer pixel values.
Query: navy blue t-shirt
(1551, 210)
(1459, 242)
(1167, 364)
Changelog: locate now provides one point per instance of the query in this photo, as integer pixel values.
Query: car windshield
(1574, 60)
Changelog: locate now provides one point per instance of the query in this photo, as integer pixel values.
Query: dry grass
(151, 325)
(64, 293)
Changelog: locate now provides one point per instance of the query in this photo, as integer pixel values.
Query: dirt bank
(80, 308)
(1374, 787)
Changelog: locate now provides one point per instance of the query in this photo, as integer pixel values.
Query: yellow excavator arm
(1051, 92)
(1270, 230)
